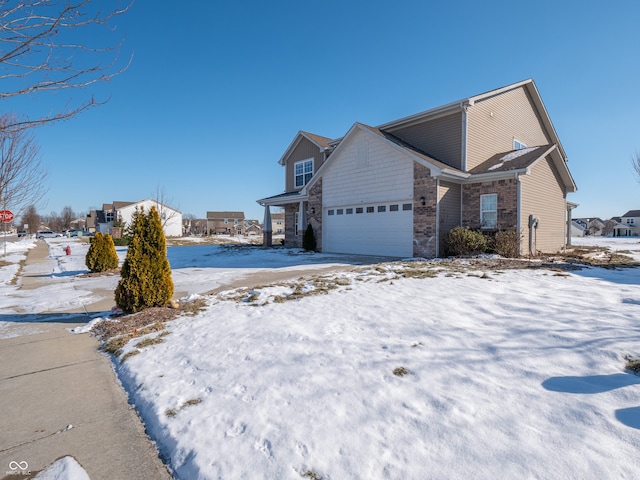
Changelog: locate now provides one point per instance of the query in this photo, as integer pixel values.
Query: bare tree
(635, 162)
(163, 205)
(21, 173)
(67, 217)
(55, 45)
(31, 219)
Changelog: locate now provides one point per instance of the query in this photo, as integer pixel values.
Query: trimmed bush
(146, 274)
(101, 255)
(506, 243)
(464, 241)
(309, 239)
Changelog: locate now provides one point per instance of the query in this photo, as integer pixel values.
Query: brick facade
(315, 219)
(290, 221)
(424, 216)
(507, 191)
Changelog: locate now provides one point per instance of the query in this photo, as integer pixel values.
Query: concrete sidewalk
(59, 396)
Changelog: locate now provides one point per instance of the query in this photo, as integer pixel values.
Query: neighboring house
(195, 226)
(592, 226)
(229, 223)
(252, 227)
(629, 224)
(578, 228)
(277, 223)
(103, 220)
(492, 162)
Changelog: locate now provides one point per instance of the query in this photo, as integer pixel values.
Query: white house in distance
(629, 224)
(102, 220)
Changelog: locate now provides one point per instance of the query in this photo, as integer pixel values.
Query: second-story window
(303, 172)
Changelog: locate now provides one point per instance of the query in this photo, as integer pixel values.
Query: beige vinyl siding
(449, 210)
(441, 138)
(304, 150)
(543, 196)
(494, 123)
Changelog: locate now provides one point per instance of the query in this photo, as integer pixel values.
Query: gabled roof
(632, 213)
(122, 205)
(119, 205)
(282, 198)
(318, 140)
(519, 161)
(529, 85)
(436, 167)
(512, 160)
(214, 215)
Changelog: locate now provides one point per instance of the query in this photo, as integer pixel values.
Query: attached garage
(375, 229)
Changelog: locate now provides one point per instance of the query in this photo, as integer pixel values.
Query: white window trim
(483, 212)
(303, 174)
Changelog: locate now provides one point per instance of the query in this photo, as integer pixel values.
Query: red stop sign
(6, 216)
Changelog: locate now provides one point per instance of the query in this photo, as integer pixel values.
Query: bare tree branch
(22, 176)
(45, 45)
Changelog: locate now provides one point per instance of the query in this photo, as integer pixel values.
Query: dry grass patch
(400, 371)
(172, 412)
(633, 364)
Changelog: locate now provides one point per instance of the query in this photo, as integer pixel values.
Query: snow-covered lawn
(402, 371)
(518, 375)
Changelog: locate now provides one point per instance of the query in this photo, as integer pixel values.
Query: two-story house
(103, 220)
(629, 224)
(492, 162)
(229, 223)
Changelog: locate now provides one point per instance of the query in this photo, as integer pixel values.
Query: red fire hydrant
(68, 250)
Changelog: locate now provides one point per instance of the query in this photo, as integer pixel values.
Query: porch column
(268, 228)
(301, 218)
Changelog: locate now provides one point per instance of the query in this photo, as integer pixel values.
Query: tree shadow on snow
(599, 384)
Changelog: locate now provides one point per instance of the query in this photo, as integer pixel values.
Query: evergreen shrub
(309, 239)
(506, 243)
(464, 241)
(146, 274)
(101, 255)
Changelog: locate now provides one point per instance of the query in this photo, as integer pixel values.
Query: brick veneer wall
(424, 217)
(290, 220)
(315, 219)
(507, 191)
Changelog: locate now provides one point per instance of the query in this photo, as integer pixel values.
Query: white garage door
(376, 229)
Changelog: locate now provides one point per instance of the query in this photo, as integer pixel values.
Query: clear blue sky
(217, 91)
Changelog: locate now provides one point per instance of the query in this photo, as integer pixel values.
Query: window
(226, 221)
(406, 206)
(489, 211)
(631, 221)
(340, 211)
(303, 171)
(330, 212)
(349, 211)
(518, 145)
(359, 210)
(370, 209)
(393, 208)
(382, 208)
(235, 221)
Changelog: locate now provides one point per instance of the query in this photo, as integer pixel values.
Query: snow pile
(511, 156)
(67, 468)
